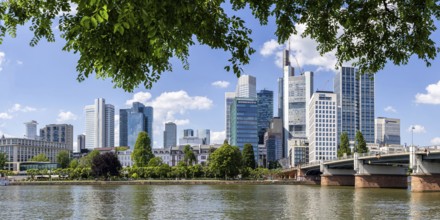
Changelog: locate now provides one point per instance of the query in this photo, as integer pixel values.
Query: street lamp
(412, 135)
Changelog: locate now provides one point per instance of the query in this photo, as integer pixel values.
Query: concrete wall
(425, 183)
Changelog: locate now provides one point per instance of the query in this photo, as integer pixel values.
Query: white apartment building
(100, 125)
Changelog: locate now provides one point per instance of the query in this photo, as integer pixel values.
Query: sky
(39, 83)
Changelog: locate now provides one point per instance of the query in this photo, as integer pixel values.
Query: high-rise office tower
(60, 133)
(31, 130)
(205, 135)
(229, 99)
(387, 131)
(265, 112)
(297, 91)
(273, 140)
(134, 120)
(244, 126)
(170, 135)
(100, 125)
(246, 87)
(322, 127)
(355, 95)
(81, 142)
(280, 97)
(188, 133)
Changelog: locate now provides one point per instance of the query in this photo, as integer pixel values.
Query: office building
(273, 140)
(60, 133)
(31, 130)
(323, 126)
(265, 112)
(188, 133)
(134, 120)
(170, 135)
(100, 125)
(246, 87)
(355, 98)
(205, 136)
(81, 142)
(229, 99)
(298, 151)
(387, 131)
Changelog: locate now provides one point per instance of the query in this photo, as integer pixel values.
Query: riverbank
(163, 182)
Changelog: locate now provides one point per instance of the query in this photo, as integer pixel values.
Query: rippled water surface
(214, 202)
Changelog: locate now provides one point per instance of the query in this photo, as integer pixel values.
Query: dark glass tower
(265, 112)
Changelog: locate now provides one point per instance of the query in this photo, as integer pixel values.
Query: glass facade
(170, 135)
(387, 131)
(132, 121)
(244, 129)
(265, 112)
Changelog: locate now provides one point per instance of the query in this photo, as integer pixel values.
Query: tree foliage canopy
(132, 41)
(39, 158)
(360, 145)
(248, 156)
(142, 153)
(3, 160)
(106, 165)
(189, 157)
(63, 158)
(225, 161)
(344, 146)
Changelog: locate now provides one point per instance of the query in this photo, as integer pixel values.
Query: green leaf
(94, 22)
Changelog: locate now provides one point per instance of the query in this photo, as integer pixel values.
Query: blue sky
(39, 83)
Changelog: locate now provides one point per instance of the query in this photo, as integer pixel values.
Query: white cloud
(181, 122)
(116, 130)
(141, 97)
(19, 62)
(6, 135)
(435, 141)
(270, 47)
(220, 84)
(431, 97)
(417, 129)
(66, 116)
(390, 109)
(218, 137)
(4, 115)
(2, 59)
(19, 108)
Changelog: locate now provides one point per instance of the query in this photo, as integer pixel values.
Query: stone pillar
(425, 183)
(380, 181)
(337, 180)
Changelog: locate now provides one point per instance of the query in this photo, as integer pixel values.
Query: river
(214, 202)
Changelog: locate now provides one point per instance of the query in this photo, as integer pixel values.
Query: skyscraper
(273, 140)
(81, 142)
(244, 127)
(246, 87)
(265, 112)
(280, 97)
(60, 133)
(229, 99)
(205, 135)
(355, 95)
(170, 135)
(188, 133)
(387, 131)
(100, 125)
(134, 120)
(297, 91)
(31, 130)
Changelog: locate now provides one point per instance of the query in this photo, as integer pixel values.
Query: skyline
(39, 83)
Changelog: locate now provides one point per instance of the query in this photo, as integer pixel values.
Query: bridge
(375, 170)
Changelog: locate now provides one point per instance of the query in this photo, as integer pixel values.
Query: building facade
(205, 136)
(246, 87)
(100, 125)
(188, 133)
(265, 112)
(170, 135)
(273, 140)
(31, 130)
(323, 126)
(244, 128)
(60, 133)
(298, 151)
(134, 120)
(355, 98)
(81, 142)
(229, 99)
(387, 131)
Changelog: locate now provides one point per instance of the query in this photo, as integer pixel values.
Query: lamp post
(412, 135)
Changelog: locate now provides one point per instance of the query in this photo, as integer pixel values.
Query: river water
(214, 202)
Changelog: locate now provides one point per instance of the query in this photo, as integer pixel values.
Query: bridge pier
(426, 173)
(336, 177)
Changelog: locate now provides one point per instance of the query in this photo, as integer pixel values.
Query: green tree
(145, 35)
(39, 158)
(106, 165)
(155, 162)
(63, 158)
(189, 157)
(142, 153)
(86, 162)
(225, 161)
(360, 145)
(248, 156)
(344, 146)
(74, 163)
(3, 160)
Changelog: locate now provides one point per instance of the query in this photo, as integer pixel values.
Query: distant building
(190, 140)
(265, 112)
(81, 142)
(262, 156)
(298, 151)
(134, 120)
(60, 133)
(273, 140)
(387, 131)
(31, 130)
(229, 99)
(188, 133)
(322, 126)
(205, 135)
(246, 87)
(100, 125)
(355, 101)
(170, 135)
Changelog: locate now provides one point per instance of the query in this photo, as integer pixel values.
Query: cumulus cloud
(218, 137)
(181, 122)
(19, 62)
(417, 129)
(4, 115)
(432, 95)
(64, 116)
(390, 109)
(141, 97)
(19, 108)
(435, 141)
(220, 84)
(270, 47)
(2, 59)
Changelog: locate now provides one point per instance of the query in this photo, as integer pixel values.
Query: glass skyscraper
(265, 112)
(355, 100)
(244, 128)
(134, 120)
(100, 125)
(170, 135)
